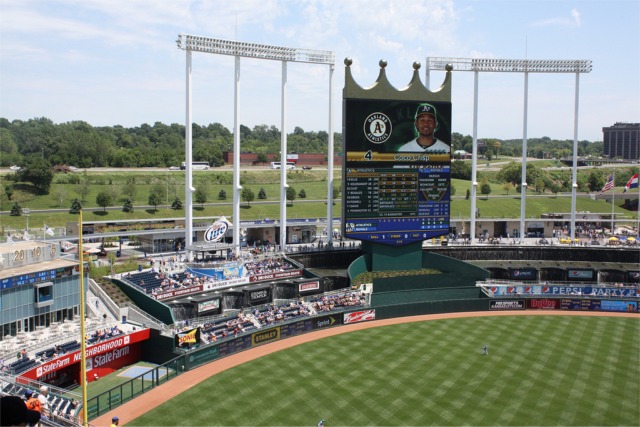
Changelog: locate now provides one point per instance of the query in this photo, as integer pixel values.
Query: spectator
(45, 408)
(14, 412)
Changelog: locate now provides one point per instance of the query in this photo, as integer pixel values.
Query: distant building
(622, 140)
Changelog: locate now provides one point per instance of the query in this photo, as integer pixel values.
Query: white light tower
(526, 66)
(256, 51)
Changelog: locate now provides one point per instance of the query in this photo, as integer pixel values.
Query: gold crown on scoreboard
(383, 89)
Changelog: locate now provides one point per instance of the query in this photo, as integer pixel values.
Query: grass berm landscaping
(541, 370)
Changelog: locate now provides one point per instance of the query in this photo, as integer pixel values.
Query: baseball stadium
(399, 316)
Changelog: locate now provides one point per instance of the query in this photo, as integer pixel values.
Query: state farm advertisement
(276, 275)
(69, 359)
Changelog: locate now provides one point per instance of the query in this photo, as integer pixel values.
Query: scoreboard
(389, 196)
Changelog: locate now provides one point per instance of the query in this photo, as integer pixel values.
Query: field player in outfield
(485, 351)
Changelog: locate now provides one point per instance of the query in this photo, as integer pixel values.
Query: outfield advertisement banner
(226, 348)
(603, 291)
(626, 306)
(67, 360)
(543, 304)
(582, 304)
(359, 316)
(507, 305)
(187, 338)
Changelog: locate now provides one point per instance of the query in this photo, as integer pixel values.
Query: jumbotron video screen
(397, 172)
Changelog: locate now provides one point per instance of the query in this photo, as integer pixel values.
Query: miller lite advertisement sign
(217, 230)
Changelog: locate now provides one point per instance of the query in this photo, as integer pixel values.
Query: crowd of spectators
(103, 334)
(271, 314)
(266, 266)
(156, 282)
(338, 301)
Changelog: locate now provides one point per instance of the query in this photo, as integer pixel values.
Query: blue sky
(116, 62)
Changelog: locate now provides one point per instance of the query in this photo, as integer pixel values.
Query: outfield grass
(541, 370)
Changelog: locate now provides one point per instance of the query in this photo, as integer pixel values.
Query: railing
(111, 399)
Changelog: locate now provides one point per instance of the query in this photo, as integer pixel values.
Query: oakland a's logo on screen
(377, 128)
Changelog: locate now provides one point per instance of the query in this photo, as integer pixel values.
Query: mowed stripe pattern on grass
(548, 370)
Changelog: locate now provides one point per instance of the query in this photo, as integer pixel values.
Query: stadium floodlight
(525, 66)
(254, 50)
(511, 65)
(238, 50)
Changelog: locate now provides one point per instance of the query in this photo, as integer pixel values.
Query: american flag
(608, 185)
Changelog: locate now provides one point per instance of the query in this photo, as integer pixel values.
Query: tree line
(79, 144)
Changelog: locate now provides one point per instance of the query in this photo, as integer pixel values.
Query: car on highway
(306, 167)
(174, 168)
(14, 168)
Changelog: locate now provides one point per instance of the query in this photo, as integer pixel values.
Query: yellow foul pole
(83, 341)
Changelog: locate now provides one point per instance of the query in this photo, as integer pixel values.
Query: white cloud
(573, 21)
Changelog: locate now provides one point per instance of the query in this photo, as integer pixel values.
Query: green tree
(129, 189)
(128, 206)
(461, 170)
(596, 181)
(337, 190)
(83, 188)
(485, 187)
(452, 190)
(291, 194)
(262, 158)
(247, 195)
(104, 199)
(177, 204)
(76, 207)
(38, 172)
(262, 194)
(8, 190)
(200, 195)
(302, 194)
(222, 195)
(507, 187)
(16, 209)
(155, 199)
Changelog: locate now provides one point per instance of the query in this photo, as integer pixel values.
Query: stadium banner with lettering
(307, 325)
(309, 286)
(580, 304)
(523, 273)
(209, 286)
(211, 306)
(268, 335)
(275, 276)
(507, 304)
(543, 304)
(67, 360)
(359, 316)
(618, 305)
(177, 293)
(597, 291)
(258, 296)
(202, 356)
(578, 274)
(104, 364)
(188, 338)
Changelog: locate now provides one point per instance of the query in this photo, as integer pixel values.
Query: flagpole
(613, 203)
